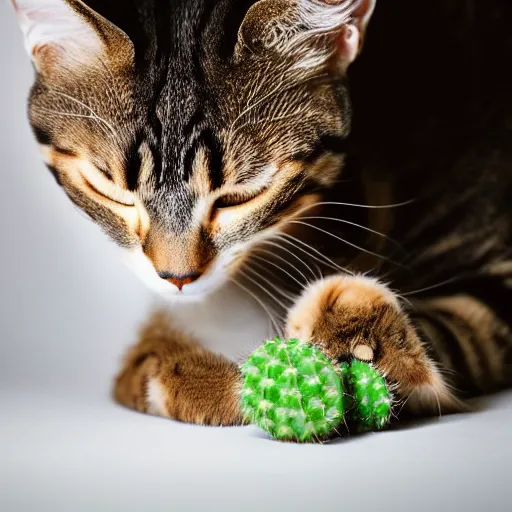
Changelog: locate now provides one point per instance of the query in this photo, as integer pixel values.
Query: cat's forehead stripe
(206, 143)
(186, 126)
(133, 163)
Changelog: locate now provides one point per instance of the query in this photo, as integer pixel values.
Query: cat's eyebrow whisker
(255, 90)
(269, 120)
(110, 86)
(93, 114)
(326, 261)
(74, 100)
(69, 114)
(343, 221)
(248, 109)
(367, 251)
(275, 324)
(277, 90)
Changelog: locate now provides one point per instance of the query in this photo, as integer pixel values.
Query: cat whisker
(279, 268)
(271, 120)
(291, 253)
(110, 86)
(255, 90)
(367, 251)
(444, 370)
(355, 205)
(273, 244)
(326, 261)
(273, 321)
(248, 109)
(69, 114)
(269, 283)
(282, 279)
(93, 114)
(405, 299)
(436, 394)
(279, 89)
(403, 405)
(343, 221)
(319, 270)
(281, 304)
(433, 287)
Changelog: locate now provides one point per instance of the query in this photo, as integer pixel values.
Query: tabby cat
(216, 142)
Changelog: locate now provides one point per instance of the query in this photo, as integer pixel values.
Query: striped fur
(217, 140)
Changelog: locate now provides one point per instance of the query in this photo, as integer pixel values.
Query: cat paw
(358, 317)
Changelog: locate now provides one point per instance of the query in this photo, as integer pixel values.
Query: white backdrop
(67, 305)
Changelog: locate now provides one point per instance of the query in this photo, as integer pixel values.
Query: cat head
(204, 129)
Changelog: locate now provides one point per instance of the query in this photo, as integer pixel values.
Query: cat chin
(196, 292)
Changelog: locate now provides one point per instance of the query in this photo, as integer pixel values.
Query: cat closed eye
(103, 186)
(234, 200)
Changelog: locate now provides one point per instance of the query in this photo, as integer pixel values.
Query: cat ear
(67, 33)
(311, 32)
(352, 32)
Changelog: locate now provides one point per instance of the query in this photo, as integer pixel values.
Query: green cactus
(292, 391)
(368, 399)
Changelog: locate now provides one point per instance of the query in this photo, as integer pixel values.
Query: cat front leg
(168, 374)
(357, 317)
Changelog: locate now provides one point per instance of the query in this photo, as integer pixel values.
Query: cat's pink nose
(179, 281)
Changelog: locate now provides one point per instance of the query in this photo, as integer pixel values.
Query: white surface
(68, 308)
(77, 452)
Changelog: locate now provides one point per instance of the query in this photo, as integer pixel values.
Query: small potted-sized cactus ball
(295, 393)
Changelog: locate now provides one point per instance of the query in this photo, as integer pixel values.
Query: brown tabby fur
(431, 124)
(200, 387)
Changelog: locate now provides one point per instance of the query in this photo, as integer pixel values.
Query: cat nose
(179, 281)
